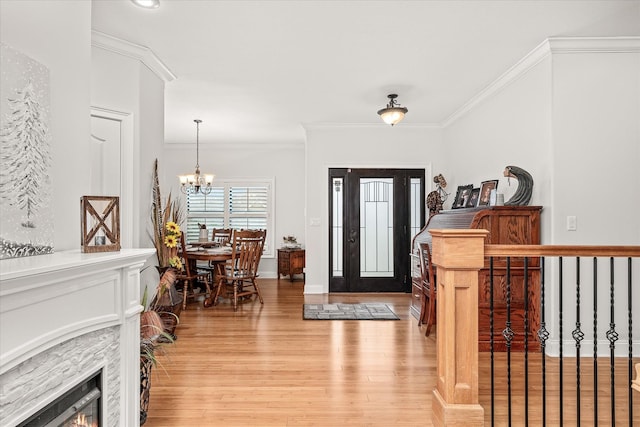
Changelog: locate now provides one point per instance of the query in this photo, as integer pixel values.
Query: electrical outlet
(572, 223)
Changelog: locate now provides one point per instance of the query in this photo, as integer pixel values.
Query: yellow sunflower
(173, 228)
(175, 262)
(171, 241)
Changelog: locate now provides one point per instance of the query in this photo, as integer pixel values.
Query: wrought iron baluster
(507, 333)
(612, 336)
(560, 352)
(578, 336)
(543, 335)
(595, 340)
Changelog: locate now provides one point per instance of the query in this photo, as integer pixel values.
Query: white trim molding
(594, 44)
(132, 50)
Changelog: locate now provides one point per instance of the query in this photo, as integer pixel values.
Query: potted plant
(153, 338)
(167, 302)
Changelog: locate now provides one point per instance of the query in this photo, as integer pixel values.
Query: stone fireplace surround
(64, 317)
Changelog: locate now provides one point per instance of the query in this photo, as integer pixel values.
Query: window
(238, 204)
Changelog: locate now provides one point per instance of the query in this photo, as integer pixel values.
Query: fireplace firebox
(78, 407)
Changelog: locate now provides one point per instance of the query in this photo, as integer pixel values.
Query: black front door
(371, 219)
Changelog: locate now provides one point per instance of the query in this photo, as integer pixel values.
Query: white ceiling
(257, 71)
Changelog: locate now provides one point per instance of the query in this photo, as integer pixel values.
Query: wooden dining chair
(222, 237)
(240, 272)
(189, 275)
(428, 280)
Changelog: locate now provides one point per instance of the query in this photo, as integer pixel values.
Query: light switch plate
(572, 223)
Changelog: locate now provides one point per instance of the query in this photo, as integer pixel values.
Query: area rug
(367, 311)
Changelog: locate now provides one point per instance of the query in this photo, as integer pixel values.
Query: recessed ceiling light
(147, 4)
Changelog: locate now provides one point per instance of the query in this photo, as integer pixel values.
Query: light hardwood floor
(265, 366)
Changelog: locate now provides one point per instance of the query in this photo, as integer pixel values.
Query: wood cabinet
(509, 225)
(290, 262)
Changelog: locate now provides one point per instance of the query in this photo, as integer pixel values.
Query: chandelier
(193, 183)
(393, 113)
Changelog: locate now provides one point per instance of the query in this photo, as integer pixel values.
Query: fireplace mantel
(48, 300)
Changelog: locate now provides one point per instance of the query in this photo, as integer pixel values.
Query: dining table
(213, 254)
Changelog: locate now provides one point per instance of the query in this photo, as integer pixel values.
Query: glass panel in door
(376, 227)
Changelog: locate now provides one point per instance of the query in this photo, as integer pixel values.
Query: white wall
(122, 83)
(596, 153)
(510, 128)
(125, 84)
(150, 147)
(282, 162)
(572, 121)
(63, 46)
(378, 146)
(596, 147)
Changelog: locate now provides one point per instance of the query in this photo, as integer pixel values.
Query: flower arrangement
(166, 231)
(171, 239)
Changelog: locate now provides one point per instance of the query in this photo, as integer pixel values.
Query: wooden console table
(290, 262)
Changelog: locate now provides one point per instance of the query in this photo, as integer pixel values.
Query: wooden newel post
(458, 255)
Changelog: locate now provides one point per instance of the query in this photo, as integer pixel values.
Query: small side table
(290, 262)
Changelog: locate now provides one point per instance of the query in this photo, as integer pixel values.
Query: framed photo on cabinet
(473, 200)
(462, 196)
(485, 191)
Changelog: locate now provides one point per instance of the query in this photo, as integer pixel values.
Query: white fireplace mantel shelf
(24, 267)
(47, 300)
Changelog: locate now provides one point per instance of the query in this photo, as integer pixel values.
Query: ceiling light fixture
(147, 4)
(193, 183)
(393, 113)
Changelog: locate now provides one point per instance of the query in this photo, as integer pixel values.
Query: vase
(145, 387)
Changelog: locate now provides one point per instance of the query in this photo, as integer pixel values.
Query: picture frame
(485, 191)
(474, 198)
(462, 196)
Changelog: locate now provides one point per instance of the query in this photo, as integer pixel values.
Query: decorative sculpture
(522, 195)
(436, 198)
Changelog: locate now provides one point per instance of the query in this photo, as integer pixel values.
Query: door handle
(352, 236)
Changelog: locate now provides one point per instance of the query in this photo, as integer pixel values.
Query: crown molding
(552, 45)
(530, 60)
(329, 125)
(237, 145)
(594, 44)
(132, 50)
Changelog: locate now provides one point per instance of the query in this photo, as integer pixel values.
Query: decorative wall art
(436, 198)
(26, 223)
(100, 223)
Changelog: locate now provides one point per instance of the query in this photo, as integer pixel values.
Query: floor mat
(366, 311)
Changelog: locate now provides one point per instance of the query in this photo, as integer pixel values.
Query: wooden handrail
(561, 250)
(459, 254)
